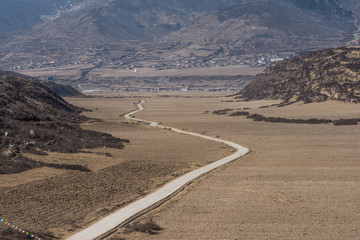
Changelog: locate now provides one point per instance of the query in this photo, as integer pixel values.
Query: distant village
(165, 89)
(258, 60)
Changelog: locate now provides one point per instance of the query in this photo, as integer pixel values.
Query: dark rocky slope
(34, 118)
(63, 90)
(332, 74)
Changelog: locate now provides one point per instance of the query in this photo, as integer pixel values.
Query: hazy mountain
(98, 26)
(23, 14)
(134, 30)
(263, 26)
(331, 74)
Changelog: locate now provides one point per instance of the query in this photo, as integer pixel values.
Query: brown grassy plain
(208, 71)
(61, 202)
(300, 181)
(71, 71)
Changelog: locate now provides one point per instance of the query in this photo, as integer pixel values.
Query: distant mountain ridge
(147, 30)
(332, 74)
(273, 26)
(23, 14)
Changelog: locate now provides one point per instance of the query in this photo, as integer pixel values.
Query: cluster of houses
(259, 60)
(175, 89)
(255, 60)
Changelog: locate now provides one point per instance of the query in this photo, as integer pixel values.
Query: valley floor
(300, 181)
(50, 202)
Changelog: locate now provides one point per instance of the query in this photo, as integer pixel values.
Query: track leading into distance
(124, 215)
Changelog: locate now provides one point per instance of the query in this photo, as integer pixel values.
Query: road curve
(153, 200)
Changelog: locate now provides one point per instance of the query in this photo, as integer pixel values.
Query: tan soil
(61, 202)
(72, 71)
(208, 71)
(300, 181)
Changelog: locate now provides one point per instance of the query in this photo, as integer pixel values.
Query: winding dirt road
(153, 200)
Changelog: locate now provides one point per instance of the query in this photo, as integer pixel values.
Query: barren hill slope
(273, 26)
(332, 74)
(34, 118)
(63, 90)
(107, 29)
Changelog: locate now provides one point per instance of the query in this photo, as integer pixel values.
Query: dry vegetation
(301, 181)
(115, 78)
(149, 227)
(60, 201)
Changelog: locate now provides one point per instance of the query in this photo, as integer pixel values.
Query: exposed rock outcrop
(332, 74)
(34, 118)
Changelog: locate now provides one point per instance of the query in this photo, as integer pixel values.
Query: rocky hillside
(273, 26)
(63, 90)
(332, 74)
(104, 29)
(33, 118)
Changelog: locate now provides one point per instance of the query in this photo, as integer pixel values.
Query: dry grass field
(113, 78)
(71, 71)
(59, 202)
(206, 71)
(300, 181)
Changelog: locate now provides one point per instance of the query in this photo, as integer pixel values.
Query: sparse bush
(264, 106)
(283, 104)
(68, 167)
(343, 122)
(116, 238)
(235, 114)
(256, 117)
(262, 118)
(149, 227)
(222, 112)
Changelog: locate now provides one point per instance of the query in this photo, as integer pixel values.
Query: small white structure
(185, 89)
